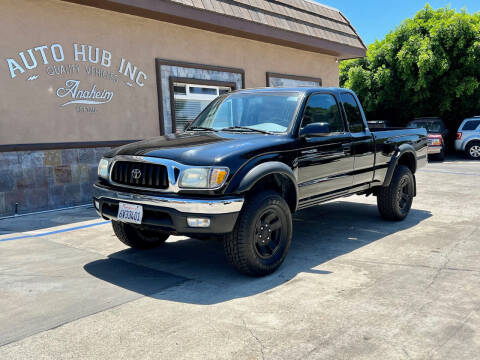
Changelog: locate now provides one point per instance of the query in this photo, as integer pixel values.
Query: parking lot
(352, 287)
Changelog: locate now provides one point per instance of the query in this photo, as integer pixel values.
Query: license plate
(130, 213)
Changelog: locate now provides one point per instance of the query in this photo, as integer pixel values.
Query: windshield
(430, 126)
(267, 111)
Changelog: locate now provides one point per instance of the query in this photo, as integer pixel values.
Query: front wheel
(395, 201)
(138, 238)
(261, 238)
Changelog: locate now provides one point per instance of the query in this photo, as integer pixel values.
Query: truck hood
(205, 148)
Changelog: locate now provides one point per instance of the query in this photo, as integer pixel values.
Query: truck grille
(140, 174)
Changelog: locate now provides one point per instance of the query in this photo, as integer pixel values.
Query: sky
(373, 19)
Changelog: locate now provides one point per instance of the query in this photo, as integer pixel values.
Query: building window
(286, 80)
(184, 86)
(191, 99)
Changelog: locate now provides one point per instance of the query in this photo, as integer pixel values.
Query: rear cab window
(471, 125)
(354, 115)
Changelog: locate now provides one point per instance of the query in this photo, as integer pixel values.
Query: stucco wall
(31, 111)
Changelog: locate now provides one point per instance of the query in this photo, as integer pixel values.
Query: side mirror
(315, 130)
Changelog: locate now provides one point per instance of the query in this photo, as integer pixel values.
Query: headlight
(103, 168)
(203, 178)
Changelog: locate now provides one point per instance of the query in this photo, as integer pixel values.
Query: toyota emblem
(136, 173)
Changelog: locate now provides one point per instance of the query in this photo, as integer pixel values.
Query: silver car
(468, 138)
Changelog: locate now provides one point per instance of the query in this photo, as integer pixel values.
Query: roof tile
(300, 16)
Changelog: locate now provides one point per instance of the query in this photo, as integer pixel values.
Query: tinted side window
(323, 108)
(471, 125)
(354, 116)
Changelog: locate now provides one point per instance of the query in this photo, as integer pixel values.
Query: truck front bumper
(170, 213)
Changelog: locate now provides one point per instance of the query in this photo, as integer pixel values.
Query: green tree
(427, 66)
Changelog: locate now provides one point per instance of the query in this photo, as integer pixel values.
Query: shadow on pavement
(454, 157)
(321, 233)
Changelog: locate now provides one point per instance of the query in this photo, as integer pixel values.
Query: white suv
(468, 138)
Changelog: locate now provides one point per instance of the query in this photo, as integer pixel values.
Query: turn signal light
(459, 136)
(218, 176)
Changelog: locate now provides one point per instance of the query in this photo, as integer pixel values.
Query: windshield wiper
(245, 128)
(201, 128)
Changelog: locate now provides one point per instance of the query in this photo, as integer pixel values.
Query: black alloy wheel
(262, 235)
(395, 201)
(405, 195)
(268, 233)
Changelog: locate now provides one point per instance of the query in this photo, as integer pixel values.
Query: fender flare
(262, 170)
(402, 150)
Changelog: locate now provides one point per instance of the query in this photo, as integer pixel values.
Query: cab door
(325, 161)
(363, 145)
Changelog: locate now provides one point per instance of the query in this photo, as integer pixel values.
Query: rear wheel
(394, 202)
(261, 238)
(138, 238)
(473, 150)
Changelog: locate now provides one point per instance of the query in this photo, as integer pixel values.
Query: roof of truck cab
(302, 89)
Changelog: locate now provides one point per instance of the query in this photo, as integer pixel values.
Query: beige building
(79, 77)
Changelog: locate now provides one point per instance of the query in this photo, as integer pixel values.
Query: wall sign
(78, 73)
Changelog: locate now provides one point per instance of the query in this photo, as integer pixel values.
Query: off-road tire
(138, 238)
(468, 150)
(395, 201)
(242, 247)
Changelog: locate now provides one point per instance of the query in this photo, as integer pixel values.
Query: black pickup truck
(247, 163)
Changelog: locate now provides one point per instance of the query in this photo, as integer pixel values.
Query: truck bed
(388, 140)
(394, 133)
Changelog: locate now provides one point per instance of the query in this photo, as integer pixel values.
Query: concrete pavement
(352, 287)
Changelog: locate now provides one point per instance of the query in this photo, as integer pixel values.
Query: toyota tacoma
(248, 162)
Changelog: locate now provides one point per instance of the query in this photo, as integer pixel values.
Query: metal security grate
(140, 174)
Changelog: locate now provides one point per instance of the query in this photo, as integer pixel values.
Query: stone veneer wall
(47, 179)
